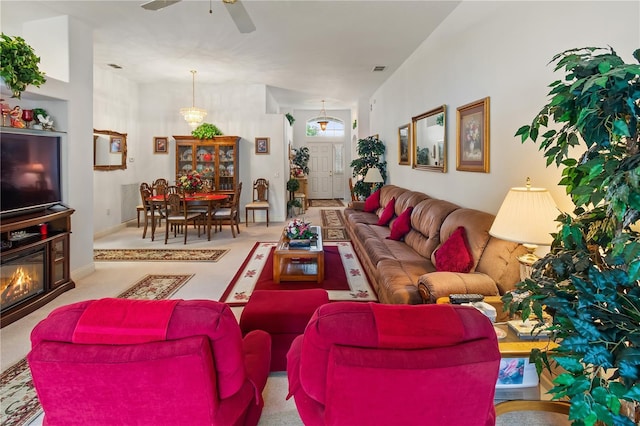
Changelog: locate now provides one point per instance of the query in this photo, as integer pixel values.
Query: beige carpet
(159, 255)
(18, 397)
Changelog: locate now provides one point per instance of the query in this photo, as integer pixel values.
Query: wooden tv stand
(55, 243)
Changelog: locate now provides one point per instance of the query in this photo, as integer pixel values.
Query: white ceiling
(304, 50)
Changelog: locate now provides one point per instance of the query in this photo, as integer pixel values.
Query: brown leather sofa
(404, 272)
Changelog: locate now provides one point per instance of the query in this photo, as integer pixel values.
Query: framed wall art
(161, 145)
(116, 144)
(404, 136)
(472, 146)
(262, 145)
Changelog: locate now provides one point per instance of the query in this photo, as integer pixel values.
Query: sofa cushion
(388, 213)
(372, 203)
(454, 255)
(402, 225)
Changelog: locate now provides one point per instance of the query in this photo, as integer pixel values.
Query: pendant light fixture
(323, 121)
(194, 116)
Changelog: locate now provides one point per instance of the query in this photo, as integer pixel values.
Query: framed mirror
(109, 150)
(429, 140)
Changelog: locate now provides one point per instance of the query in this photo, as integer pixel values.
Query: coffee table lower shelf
(296, 269)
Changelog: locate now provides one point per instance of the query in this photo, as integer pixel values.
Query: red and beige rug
(151, 255)
(333, 225)
(345, 279)
(18, 397)
(326, 203)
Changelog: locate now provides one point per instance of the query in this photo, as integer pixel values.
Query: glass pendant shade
(193, 115)
(323, 121)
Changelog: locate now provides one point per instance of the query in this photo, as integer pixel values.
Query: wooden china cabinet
(215, 159)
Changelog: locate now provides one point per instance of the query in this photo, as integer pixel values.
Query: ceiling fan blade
(158, 4)
(240, 16)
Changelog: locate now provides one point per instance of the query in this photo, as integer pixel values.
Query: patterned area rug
(257, 272)
(333, 225)
(18, 397)
(153, 255)
(326, 203)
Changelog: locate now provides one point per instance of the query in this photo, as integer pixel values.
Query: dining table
(210, 199)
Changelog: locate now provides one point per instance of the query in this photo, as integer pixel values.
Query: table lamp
(527, 216)
(373, 176)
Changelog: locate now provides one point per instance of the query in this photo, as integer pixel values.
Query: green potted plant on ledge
(590, 280)
(369, 150)
(19, 65)
(206, 131)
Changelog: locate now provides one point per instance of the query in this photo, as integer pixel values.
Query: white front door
(320, 170)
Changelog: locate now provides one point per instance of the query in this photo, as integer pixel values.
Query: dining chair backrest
(160, 181)
(145, 193)
(171, 189)
(174, 205)
(261, 190)
(159, 189)
(235, 201)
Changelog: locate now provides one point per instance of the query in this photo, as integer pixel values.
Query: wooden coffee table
(298, 264)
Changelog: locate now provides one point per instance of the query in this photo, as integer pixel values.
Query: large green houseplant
(19, 65)
(206, 131)
(369, 150)
(590, 280)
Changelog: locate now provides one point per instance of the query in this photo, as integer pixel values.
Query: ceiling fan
(235, 8)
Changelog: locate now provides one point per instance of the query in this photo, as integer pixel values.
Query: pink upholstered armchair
(166, 362)
(376, 364)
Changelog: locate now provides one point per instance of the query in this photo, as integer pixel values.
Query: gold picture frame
(262, 145)
(160, 145)
(429, 140)
(472, 147)
(404, 144)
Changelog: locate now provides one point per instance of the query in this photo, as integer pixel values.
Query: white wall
(70, 106)
(116, 108)
(501, 50)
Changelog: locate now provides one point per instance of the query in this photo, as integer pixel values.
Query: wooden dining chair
(260, 200)
(140, 207)
(151, 212)
(231, 213)
(177, 215)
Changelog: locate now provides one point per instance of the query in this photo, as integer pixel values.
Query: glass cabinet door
(226, 167)
(205, 164)
(184, 159)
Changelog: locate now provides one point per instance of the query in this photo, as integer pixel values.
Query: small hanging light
(323, 121)
(194, 116)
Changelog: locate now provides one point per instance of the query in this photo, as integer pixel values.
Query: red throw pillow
(388, 212)
(372, 203)
(454, 255)
(402, 225)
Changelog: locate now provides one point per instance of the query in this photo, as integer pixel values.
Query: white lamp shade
(527, 216)
(373, 176)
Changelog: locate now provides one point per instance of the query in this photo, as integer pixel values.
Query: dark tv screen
(29, 171)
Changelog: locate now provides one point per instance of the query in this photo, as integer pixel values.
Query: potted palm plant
(19, 65)
(590, 280)
(369, 150)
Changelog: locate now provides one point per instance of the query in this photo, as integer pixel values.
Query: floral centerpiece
(299, 233)
(189, 183)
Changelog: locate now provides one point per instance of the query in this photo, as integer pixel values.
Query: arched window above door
(335, 128)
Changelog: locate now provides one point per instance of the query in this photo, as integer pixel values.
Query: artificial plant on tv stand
(590, 280)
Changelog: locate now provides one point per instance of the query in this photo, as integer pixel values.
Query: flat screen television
(30, 172)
